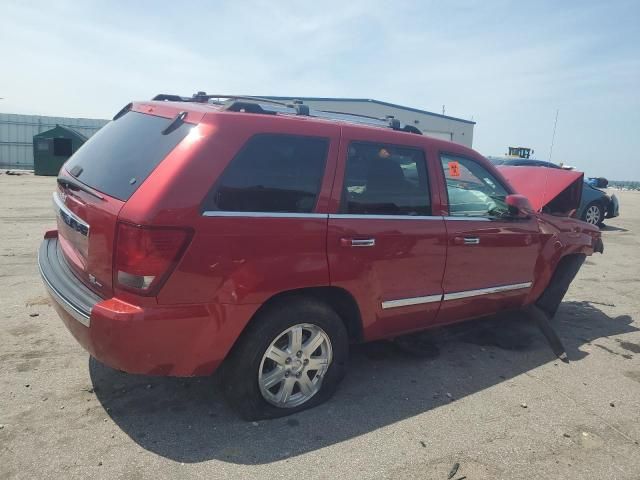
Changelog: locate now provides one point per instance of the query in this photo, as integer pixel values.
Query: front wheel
(292, 357)
(593, 214)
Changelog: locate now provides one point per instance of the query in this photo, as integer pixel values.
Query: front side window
(272, 173)
(385, 180)
(472, 190)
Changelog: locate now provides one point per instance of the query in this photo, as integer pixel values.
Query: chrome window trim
(405, 302)
(79, 315)
(358, 216)
(220, 213)
(59, 204)
(468, 218)
(486, 291)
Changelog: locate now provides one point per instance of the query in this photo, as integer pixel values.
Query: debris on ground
(603, 303)
(423, 444)
(34, 314)
(453, 471)
(566, 435)
(523, 405)
(538, 316)
(611, 404)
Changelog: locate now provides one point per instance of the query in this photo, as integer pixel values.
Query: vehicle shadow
(611, 228)
(187, 420)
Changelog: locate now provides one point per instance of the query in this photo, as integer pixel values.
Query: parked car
(595, 206)
(266, 239)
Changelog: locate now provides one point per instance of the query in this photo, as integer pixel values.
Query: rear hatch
(99, 179)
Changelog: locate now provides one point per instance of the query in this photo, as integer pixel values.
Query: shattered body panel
(555, 194)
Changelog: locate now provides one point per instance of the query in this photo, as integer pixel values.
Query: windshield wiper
(77, 185)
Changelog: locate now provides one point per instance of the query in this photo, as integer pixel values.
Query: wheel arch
(339, 299)
(563, 275)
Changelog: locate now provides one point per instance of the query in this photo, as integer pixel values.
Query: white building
(17, 131)
(432, 124)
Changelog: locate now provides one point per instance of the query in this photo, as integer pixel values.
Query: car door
(491, 256)
(384, 245)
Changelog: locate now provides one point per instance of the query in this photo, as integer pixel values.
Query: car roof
(200, 111)
(528, 162)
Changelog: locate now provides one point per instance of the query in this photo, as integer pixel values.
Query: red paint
(233, 265)
(542, 185)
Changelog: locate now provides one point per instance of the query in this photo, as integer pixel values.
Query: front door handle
(358, 242)
(466, 241)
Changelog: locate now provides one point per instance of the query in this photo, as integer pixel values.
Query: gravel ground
(492, 398)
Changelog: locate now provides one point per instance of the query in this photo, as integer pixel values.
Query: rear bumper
(176, 340)
(73, 297)
(613, 209)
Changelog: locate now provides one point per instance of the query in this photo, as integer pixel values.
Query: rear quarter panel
(236, 259)
(589, 195)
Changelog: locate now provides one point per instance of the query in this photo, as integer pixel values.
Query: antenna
(553, 137)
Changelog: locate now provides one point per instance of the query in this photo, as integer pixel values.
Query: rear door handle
(466, 241)
(358, 242)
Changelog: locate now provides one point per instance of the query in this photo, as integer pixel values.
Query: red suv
(266, 238)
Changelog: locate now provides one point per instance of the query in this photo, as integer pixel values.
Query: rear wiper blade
(77, 185)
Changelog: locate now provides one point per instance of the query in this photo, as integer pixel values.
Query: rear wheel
(593, 214)
(291, 358)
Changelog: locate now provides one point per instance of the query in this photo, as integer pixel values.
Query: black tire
(594, 213)
(242, 367)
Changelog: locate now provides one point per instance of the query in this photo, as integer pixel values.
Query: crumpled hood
(553, 189)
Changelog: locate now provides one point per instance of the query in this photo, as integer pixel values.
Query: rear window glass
(385, 180)
(272, 173)
(122, 154)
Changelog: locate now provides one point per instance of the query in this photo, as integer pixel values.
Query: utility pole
(443, 109)
(553, 137)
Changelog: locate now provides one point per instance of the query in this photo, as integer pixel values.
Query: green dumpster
(53, 147)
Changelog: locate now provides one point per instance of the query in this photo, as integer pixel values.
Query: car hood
(559, 191)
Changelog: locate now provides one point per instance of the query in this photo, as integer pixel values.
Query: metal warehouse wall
(17, 131)
(431, 124)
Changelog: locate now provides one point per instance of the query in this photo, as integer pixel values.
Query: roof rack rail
(250, 104)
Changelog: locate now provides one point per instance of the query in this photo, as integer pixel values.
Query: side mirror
(518, 205)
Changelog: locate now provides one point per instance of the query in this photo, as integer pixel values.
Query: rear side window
(385, 180)
(122, 154)
(272, 173)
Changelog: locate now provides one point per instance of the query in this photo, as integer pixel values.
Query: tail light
(146, 256)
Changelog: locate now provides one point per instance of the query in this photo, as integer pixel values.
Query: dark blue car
(595, 206)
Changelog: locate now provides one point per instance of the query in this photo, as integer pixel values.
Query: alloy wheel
(592, 215)
(294, 365)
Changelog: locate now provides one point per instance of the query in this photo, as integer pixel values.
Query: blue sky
(506, 65)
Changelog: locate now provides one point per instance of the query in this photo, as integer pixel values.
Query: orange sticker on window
(454, 169)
